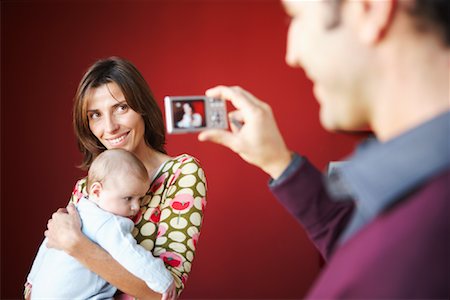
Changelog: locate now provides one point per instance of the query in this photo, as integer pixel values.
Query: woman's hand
(64, 229)
(254, 133)
(27, 291)
(171, 293)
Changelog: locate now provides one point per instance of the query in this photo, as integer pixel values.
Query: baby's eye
(128, 198)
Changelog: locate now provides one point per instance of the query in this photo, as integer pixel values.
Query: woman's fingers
(62, 210)
(63, 228)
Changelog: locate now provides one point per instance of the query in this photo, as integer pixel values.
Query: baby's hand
(171, 293)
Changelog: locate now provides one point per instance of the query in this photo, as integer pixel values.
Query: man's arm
(302, 192)
(257, 139)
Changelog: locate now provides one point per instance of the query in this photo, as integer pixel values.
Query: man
(382, 222)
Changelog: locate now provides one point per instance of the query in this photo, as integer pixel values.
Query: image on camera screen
(189, 114)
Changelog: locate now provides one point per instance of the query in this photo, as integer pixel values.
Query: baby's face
(122, 197)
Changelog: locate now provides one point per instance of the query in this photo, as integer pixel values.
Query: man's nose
(291, 57)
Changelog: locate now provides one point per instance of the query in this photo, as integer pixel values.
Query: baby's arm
(99, 261)
(37, 263)
(116, 238)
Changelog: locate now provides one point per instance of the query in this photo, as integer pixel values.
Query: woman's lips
(118, 140)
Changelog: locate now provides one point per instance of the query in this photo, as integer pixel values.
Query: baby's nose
(135, 206)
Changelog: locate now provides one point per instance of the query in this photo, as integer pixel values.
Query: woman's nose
(111, 124)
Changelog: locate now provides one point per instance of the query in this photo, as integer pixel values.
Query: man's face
(332, 58)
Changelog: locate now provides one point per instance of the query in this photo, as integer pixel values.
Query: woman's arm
(178, 197)
(64, 233)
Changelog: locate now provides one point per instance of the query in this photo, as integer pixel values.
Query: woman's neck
(152, 159)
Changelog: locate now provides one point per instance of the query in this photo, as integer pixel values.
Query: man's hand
(254, 133)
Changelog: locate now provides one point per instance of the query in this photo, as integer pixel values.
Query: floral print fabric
(170, 218)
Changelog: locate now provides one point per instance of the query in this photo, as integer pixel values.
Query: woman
(190, 118)
(114, 108)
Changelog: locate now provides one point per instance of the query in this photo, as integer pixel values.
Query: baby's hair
(113, 163)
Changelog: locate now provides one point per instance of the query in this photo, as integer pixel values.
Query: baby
(117, 181)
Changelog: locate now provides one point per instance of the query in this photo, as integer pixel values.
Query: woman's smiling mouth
(118, 140)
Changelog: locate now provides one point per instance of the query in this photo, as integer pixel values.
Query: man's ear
(376, 18)
(95, 190)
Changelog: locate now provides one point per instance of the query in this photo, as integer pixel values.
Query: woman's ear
(95, 190)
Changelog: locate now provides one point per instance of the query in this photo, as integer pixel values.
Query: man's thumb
(217, 136)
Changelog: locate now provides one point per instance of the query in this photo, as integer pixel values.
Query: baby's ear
(95, 190)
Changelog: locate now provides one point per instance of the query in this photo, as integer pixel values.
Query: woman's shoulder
(79, 190)
(179, 160)
(185, 158)
(180, 166)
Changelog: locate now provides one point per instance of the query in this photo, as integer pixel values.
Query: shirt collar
(378, 173)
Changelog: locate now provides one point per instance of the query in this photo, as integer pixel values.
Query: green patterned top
(171, 214)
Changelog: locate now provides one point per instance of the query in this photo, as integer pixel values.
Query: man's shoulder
(436, 190)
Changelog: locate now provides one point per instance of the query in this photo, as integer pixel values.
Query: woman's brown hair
(137, 94)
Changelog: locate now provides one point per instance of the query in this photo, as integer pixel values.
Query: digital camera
(194, 113)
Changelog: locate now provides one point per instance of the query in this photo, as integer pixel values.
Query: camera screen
(189, 114)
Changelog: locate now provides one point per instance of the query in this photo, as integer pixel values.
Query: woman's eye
(94, 116)
(122, 107)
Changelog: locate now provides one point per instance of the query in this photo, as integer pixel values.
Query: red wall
(250, 247)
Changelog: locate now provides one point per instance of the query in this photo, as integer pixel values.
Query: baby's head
(117, 181)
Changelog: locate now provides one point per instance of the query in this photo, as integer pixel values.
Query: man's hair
(137, 94)
(434, 15)
(115, 163)
(429, 15)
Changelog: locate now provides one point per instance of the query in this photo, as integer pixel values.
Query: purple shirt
(401, 251)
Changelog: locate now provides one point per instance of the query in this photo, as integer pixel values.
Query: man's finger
(236, 120)
(217, 136)
(237, 96)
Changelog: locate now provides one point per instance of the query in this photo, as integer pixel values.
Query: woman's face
(187, 108)
(112, 121)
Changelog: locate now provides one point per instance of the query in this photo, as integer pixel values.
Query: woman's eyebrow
(119, 102)
(115, 105)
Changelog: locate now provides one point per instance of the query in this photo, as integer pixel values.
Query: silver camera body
(194, 113)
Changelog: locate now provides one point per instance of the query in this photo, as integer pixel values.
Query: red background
(250, 247)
